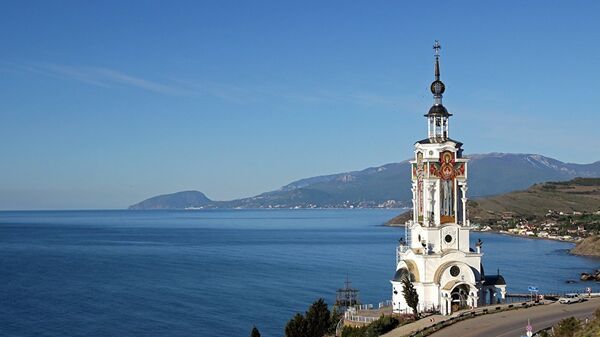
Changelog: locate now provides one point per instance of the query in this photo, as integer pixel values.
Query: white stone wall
(432, 264)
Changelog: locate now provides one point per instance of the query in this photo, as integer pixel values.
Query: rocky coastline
(593, 276)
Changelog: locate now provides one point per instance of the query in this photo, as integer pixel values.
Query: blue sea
(217, 272)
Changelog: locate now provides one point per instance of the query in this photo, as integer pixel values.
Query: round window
(448, 238)
(454, 271)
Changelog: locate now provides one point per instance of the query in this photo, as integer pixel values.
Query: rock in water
(586, 277)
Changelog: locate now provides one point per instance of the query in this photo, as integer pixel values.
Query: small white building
(435, 254)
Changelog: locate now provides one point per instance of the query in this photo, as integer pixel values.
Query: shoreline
(504, 233)
(569, 251)
(525, 236)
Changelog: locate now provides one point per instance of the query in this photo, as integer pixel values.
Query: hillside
(589, 247)
(179, 200)
(577, 195)
(389, 185)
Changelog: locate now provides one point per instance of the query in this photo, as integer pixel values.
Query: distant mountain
(389, 185)
(383, 186)
(179, 200)
(496, 173)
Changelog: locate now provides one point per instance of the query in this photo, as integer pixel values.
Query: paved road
(512, 323)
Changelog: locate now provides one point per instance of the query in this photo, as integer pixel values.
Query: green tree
(297, 327)
(255, 332)
(410, 295)
(333, 322)
(318, 319)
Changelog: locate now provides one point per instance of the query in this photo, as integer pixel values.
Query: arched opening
(459, 297)
(402, 273)
(413, 269)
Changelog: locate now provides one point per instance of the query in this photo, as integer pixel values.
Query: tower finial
(437, 47)
(437, 87)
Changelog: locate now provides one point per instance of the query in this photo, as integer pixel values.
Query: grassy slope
(589, 246)
(580, 194)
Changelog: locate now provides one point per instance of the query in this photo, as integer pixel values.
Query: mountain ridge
(177, 200)
(389, 185)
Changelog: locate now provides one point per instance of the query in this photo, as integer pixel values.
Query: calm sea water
(216, 273)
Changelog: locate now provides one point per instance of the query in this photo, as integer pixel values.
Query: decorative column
(464, 199)
(415, 203)
(429, 128)
(447, 131)
(432, 212)
(443, 304)
(474, 298)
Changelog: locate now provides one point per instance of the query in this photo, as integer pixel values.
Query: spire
(437, 115)
(437, 86)
(437, 47)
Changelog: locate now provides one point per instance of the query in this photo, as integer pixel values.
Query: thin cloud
(227, 92)
(111, 78)
(104, 77)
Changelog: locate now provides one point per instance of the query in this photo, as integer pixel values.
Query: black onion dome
(438, 110)
(437, 87)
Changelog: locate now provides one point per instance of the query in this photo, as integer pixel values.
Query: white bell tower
(435, 255)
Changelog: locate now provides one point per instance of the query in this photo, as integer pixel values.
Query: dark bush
(379, 327)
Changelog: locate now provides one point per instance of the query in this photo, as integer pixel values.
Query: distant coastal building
(435, 255)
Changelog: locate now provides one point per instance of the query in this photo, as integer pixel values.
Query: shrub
(349, 331)
(382, 325)
(567, 327)
(377, 328)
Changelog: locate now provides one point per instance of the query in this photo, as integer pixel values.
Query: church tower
(436, 253)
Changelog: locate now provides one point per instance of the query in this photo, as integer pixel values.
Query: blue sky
(105, 103)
